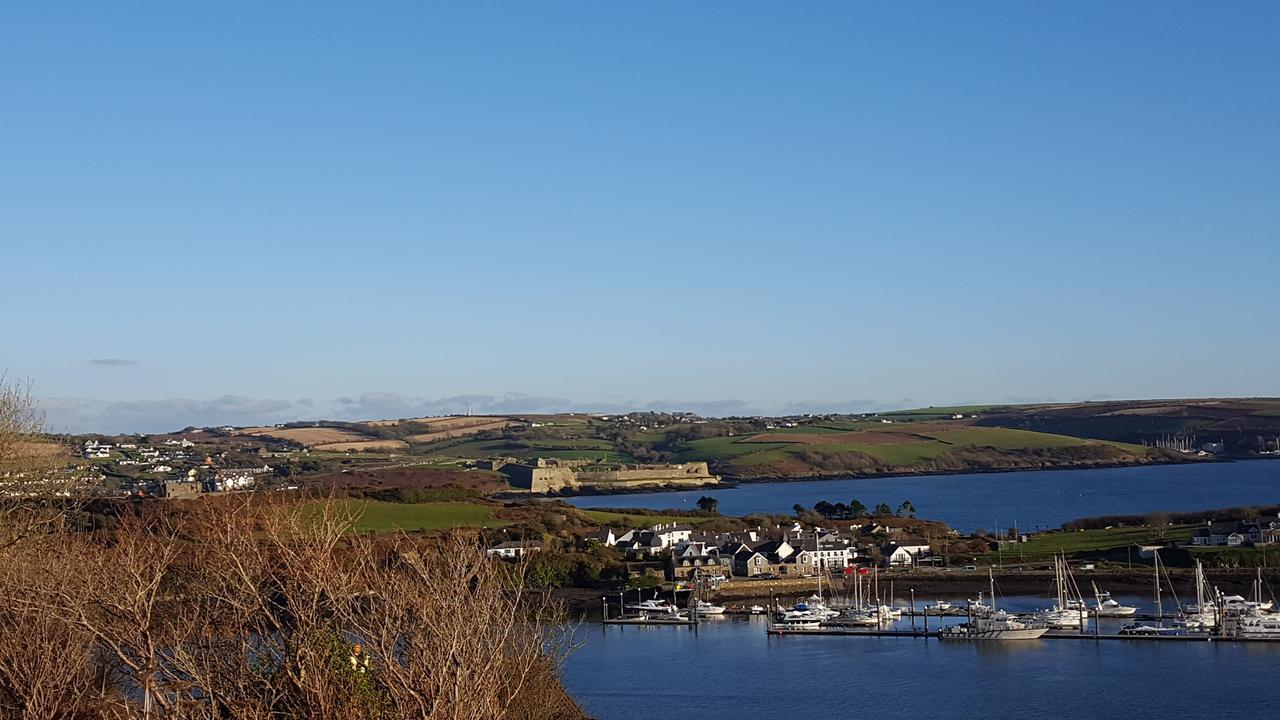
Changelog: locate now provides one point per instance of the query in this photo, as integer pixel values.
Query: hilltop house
(1236, 534)
(652, 540)
(513, 549)
(899, 555)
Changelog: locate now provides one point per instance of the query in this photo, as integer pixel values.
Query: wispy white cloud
(78, 415)
(112, 362)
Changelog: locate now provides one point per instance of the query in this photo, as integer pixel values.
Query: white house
(604, 536)
(513, 549)
(905, 554)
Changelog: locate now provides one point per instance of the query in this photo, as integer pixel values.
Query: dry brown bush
(248, 609)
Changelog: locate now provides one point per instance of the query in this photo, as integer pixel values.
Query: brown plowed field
(454, 430)
(309, 436)
(364, 445)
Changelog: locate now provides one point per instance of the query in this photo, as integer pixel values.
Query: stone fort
(552, 475)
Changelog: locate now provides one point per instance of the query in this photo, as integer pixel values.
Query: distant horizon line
(652, 408)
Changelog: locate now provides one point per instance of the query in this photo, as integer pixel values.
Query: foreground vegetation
(252, 607)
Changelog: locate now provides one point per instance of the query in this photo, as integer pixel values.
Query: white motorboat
(757, 610)
(1000, 625)
(1150, 629)
(1236, 605)
(888, 613)
(863, 618)
(1062, 618)
(653, 606)
(794, 615)
(977, 607)
(1106, 606)
(702, 609)
(941, 607)
(814, 605)
(995, 625)
(797, 624)
(1264, 626)
(1069, 612)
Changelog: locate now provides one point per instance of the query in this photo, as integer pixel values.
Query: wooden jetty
(647, 620)
(1051, 635)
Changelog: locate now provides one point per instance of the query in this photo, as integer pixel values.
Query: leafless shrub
(249, 608)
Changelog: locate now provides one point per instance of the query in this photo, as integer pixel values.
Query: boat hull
(1009, 634)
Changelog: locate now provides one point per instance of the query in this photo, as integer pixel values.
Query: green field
(633, 521)
(722, 448)
(377, 516)
(1046, 545)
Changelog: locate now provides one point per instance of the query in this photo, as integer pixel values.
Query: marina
(717, 666)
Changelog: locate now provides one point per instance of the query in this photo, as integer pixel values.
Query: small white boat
(814, 605)
(1106, 606)
(1069, 612)
(702, 609)
(797, 624)
(800, 616)
(941, 607)
(864, 618)
(996, 625)
(756, 610)
(653, 606)
(1147, 629)
(1239, 606)
(1265, 626)
(887, 612)
(999, 626)
(1063, 618)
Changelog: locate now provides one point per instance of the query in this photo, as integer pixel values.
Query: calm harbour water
(1032, 499)
(731, 670)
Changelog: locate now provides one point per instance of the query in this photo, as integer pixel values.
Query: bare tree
(1159, 521)
(249, 608)
(32, 488)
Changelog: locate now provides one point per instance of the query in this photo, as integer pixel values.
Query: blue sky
(244, 212)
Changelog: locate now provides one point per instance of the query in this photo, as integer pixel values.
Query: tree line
(855, 509)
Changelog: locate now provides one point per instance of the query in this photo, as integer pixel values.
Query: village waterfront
(731, 667)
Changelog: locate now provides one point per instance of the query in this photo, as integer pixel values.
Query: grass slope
(605, 517)
(1046, 545)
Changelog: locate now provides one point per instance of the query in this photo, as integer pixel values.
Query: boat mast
(992, 578)
(1159, 608)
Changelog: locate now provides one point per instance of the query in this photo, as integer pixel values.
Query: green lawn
(632, 521)
(600, 455)
(1046, 545)
(570, 444)
(770, 453)
(723, 448)
(377, 516)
